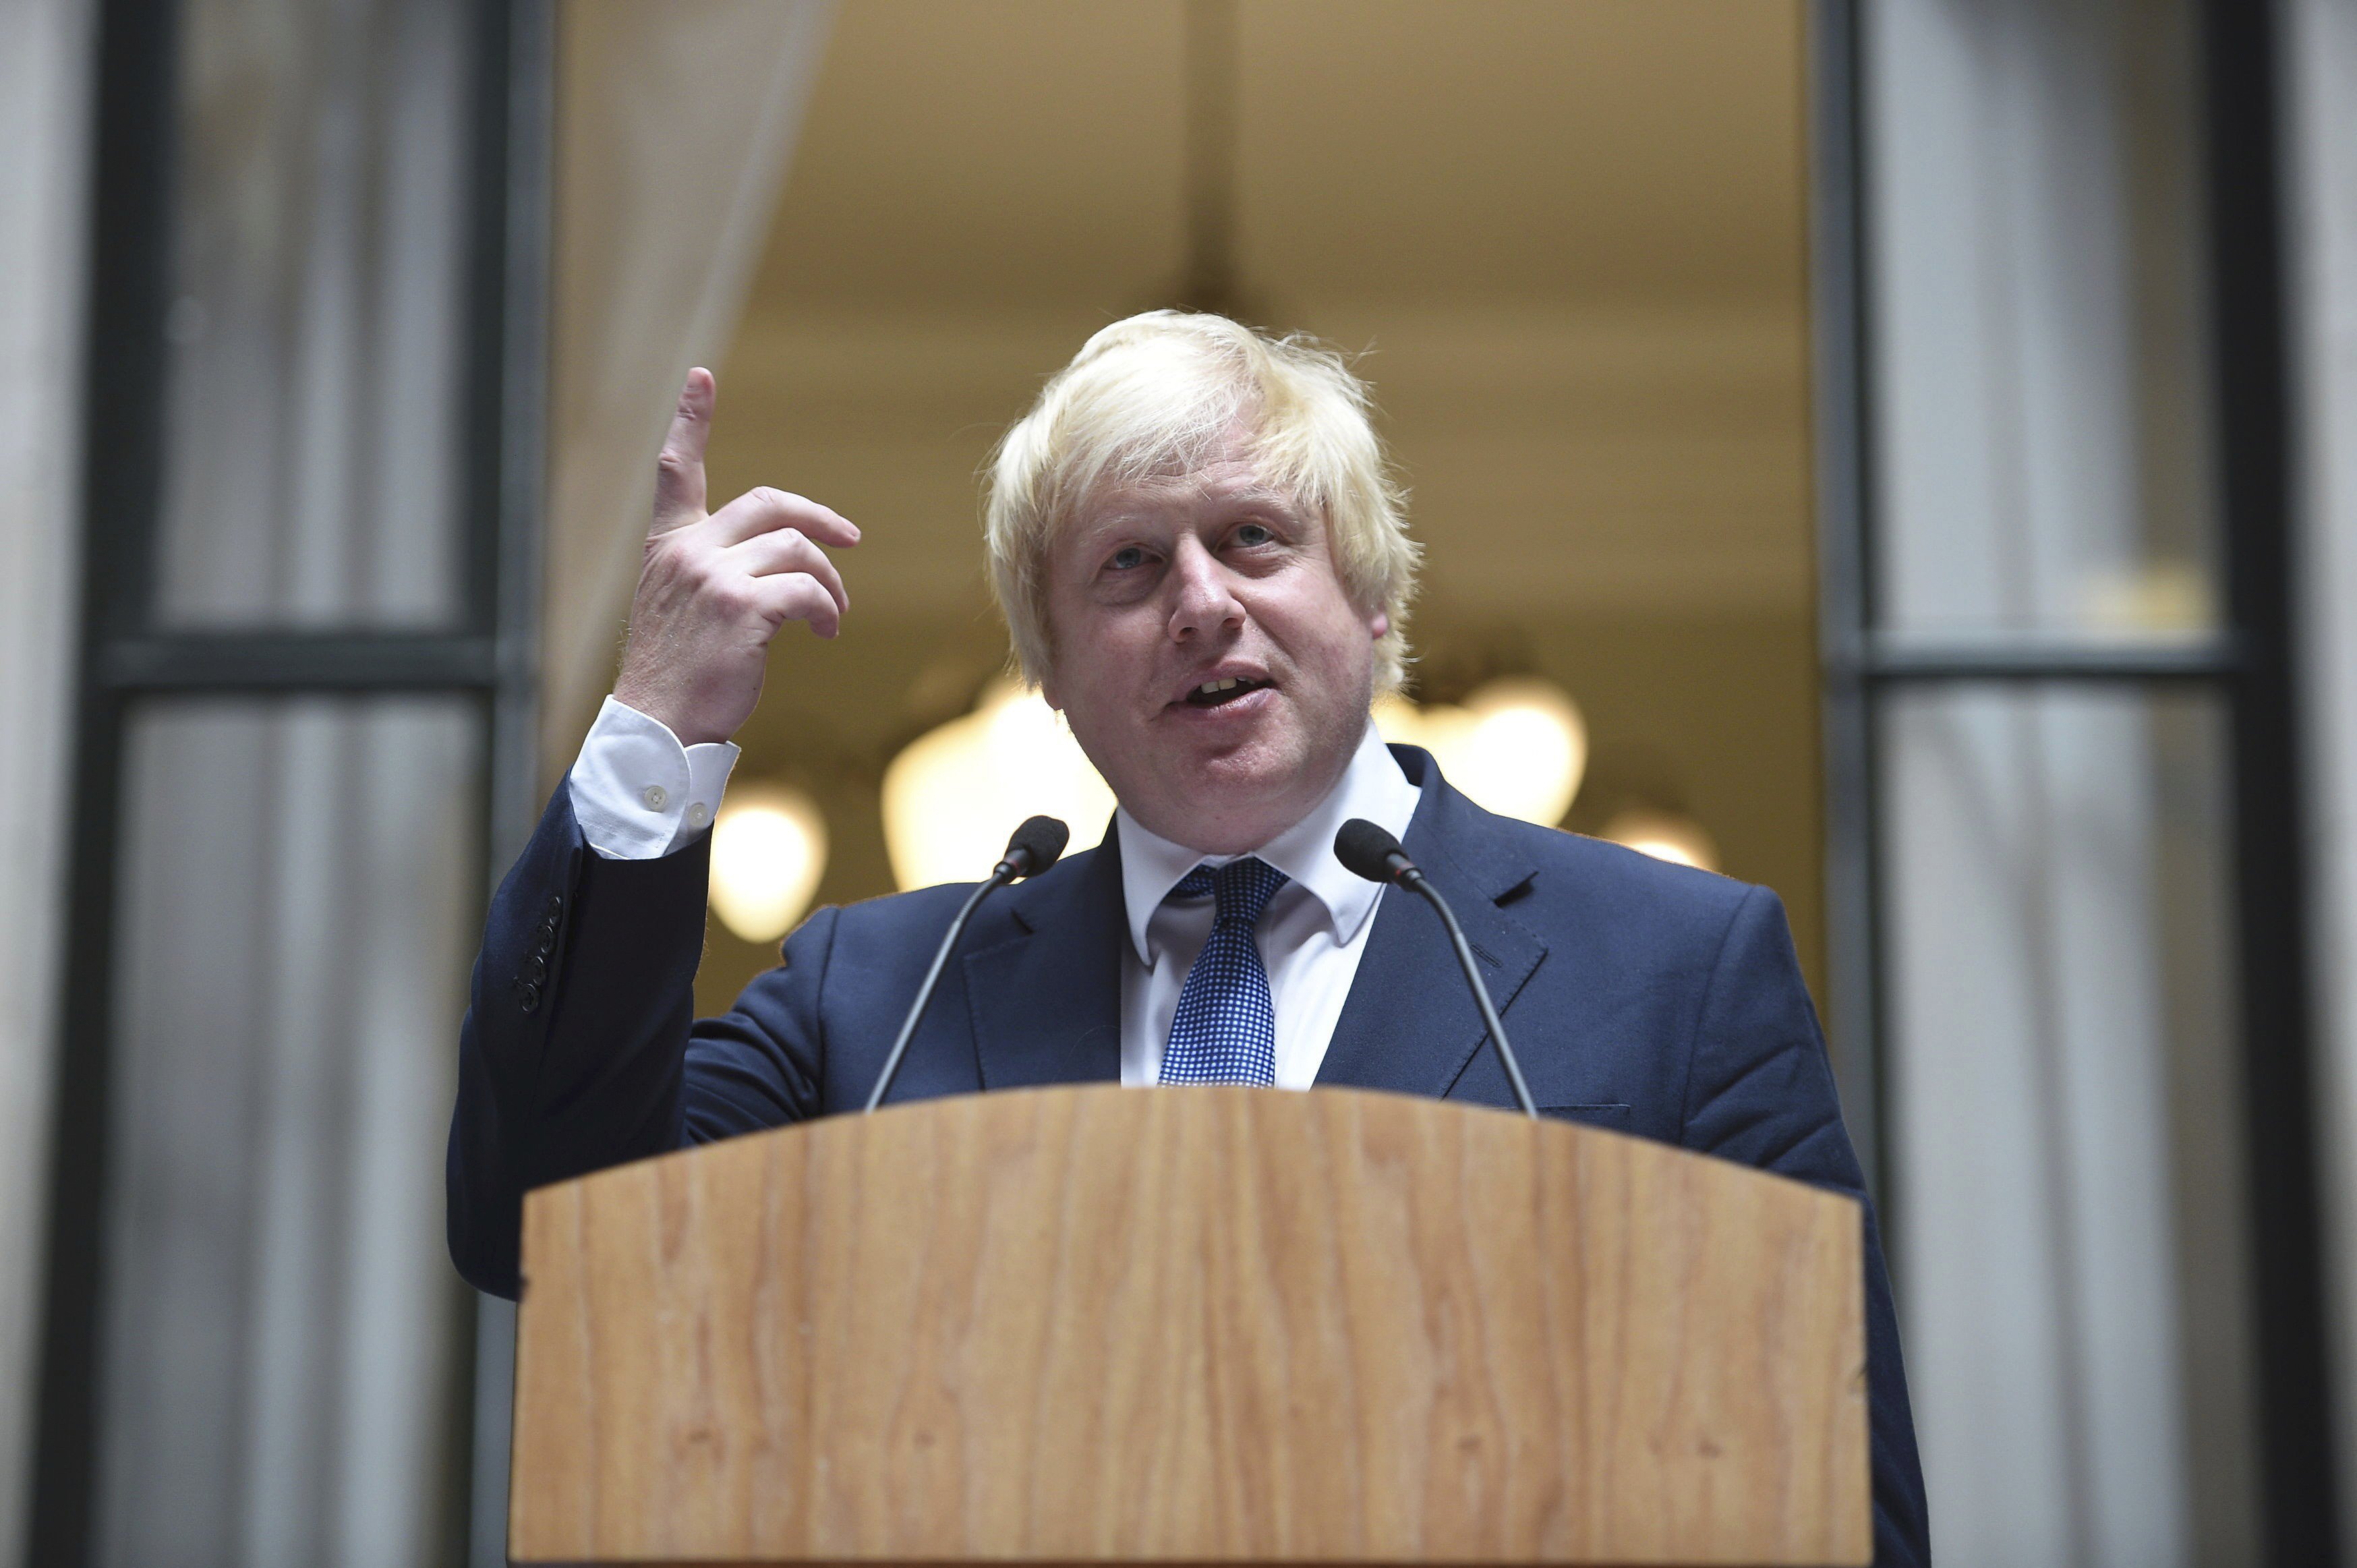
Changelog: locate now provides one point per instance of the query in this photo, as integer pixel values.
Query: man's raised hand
(715, 588)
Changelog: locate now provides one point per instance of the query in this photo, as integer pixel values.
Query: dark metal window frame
(124, 657)
(2250, 665)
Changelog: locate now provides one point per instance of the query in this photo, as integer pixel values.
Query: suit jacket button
(535, 969)
(530, 998)
(556, 905)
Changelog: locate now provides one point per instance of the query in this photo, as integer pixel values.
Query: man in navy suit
(1206, 569)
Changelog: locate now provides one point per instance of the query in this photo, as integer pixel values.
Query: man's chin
(1225, 802)
(1247, 758)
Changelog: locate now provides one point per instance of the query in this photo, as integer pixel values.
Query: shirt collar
(1371, 786)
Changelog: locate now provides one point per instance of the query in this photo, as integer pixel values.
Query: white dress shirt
(639, 794)
(1310, 935)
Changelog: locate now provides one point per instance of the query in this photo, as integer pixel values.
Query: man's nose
(1204, 599)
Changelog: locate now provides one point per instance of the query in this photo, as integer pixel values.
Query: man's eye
(1128, 559)
(1253, 533)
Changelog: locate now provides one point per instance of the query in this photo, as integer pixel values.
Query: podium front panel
(1095, 1325)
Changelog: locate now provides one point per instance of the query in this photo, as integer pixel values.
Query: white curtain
(278, 1373)
(674, 126)
(2320, 77)
(44, 71)
(278, 1344)
(2066, 1194)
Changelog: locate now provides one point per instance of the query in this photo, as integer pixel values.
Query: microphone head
(1368, 851)
(1037, 845)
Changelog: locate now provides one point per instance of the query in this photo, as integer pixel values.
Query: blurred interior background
(1904, 456)
(1565, 244)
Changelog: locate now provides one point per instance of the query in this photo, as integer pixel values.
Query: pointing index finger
(679, 471)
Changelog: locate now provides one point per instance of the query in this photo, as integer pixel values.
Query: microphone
(1366, 850)
(1036, 846)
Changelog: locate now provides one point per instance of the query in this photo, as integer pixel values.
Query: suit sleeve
(579, 1048)
(1760, 1090)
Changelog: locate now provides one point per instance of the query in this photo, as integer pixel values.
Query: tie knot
(1241, 889)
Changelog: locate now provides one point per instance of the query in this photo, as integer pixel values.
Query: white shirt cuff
(637, 792)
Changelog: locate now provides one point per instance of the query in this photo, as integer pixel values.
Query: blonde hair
(1156, 396)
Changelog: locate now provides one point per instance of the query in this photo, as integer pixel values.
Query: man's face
(1215, 579)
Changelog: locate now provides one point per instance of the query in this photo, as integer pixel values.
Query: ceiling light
(768, 850)
(1664, 835)
(952, 797)
(1517, 746)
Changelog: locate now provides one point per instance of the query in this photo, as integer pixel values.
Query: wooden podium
(1098, 1325)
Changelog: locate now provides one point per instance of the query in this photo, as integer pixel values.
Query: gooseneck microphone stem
(999, 878)
(1036, 846)
(1416, 882)
(1367, 849)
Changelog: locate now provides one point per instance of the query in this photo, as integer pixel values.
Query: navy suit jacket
(1643, 996)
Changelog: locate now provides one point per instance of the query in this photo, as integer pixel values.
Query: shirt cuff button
(655, 797)
(698, 814)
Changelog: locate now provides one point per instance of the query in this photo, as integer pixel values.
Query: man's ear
(1379, 624)
(1047, 693)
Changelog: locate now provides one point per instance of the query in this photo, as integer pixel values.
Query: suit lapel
(1046, 1000)
(1409, 1024)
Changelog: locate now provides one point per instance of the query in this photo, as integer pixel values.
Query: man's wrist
(651, 699)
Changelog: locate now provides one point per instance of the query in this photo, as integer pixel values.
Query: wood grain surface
(1190, 1325)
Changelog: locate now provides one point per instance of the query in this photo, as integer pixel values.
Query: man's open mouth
(1227, 689)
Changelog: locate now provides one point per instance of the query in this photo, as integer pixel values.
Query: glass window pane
(318, 317)
(2067, 1194)
(279, 1328)
(2038, 322)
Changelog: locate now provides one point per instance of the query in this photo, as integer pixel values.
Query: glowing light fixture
(1664, 835)
(955, 794)
(768, 850)
(1518, 746)
(2163, 595)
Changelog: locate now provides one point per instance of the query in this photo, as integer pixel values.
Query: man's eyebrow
(1110, 522)
(1265, 496)
(1115, 518)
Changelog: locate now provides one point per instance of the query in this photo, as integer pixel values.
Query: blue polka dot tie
(1225, 1029)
